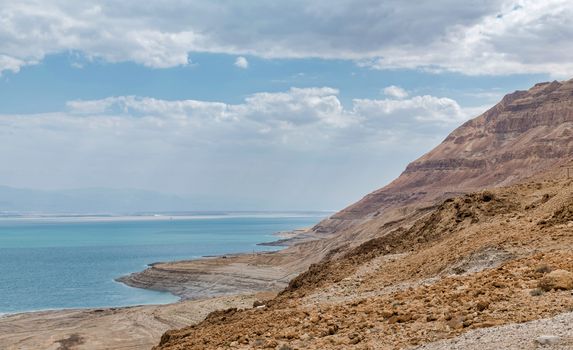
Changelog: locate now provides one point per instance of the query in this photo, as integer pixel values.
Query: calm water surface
(55, 264)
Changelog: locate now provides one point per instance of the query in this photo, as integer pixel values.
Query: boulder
(558, 279)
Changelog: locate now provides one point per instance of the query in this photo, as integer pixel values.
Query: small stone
(456, 323)
(259, 342)
(536, 292)
(467, 323)
(431, 318)
(543, 268)
(387, 313)
(271, 344)
(547, 340)
(355, 340)
(482, 305)
(290, 334)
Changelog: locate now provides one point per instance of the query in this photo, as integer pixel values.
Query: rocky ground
(477, 261)
(555, 333)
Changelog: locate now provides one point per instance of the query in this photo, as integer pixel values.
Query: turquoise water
(72, 263)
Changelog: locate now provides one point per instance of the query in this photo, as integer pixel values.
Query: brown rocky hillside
(526, 132)
(476, 261)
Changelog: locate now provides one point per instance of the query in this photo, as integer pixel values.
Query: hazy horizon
(124, 201)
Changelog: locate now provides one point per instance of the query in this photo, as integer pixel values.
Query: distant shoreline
(221, 275)
(158, 217)
(127, 280)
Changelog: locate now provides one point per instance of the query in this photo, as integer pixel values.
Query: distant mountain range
(112, 201)
(91, 200)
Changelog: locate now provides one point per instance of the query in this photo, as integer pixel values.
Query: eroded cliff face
(526, 132)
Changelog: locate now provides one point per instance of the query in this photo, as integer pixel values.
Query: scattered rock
(558, 279)
(547, 340)
(355, 338)
(482, 305)
(271, 344)
(456, 323)
(536, 292)
(70, 342)
(543, 268)
(387, 313)
(431, 318)
(258, 303)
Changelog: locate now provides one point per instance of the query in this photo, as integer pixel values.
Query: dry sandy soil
(118, 328)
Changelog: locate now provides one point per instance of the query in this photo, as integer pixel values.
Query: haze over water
(72, 262)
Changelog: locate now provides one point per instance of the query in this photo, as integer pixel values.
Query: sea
(62, 262)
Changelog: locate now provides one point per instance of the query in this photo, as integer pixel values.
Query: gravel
(554, 333)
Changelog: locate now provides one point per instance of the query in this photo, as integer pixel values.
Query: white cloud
(521, 37)
(241, 62)
(13, 64)
(298, 148)
(481, 37)
(298, 110)
(395, 91)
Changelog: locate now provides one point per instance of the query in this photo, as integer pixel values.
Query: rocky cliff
(524, 133)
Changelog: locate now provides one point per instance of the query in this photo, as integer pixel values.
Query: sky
(276, 105)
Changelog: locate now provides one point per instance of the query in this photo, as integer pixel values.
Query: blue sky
(63, 77)
(266, 105)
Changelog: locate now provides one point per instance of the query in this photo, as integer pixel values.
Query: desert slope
(526, 132)
(485, 259)
(433, 254)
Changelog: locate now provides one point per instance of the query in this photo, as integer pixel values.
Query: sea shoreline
(222, 281)
(54, 296)
(124, 279)
(225, 274)
(121, 281)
